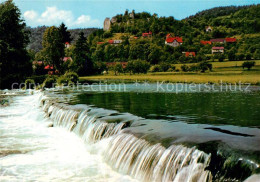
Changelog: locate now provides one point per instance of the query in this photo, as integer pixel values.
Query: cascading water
(129, 154)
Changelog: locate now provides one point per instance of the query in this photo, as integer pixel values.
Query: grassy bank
(227, 72)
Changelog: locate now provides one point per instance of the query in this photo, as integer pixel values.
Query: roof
(147, 34)
(204, 42)
(67, 43)
(231, 39)
(48, 67)
(218, 48)
(111, 41)
(100, 42)
(66, 59)
(171, 39)
(187, 54)
(124, 64)
(217, 40)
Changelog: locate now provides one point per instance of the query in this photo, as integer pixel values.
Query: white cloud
(30, 15)
(54, 16)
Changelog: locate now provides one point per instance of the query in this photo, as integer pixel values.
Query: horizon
(91, 14)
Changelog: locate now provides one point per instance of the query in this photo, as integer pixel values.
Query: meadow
(225, 72)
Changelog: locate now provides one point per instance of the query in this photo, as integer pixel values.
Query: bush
(164, 66)
(155, 68)
(29, 84)
(138, 66)
(72, 76)
(248, 64)
(49, 82)
(67, 78)
(184, 68)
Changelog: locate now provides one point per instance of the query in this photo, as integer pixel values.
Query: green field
(226, 72)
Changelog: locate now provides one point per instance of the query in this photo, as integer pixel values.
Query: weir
(127, 153)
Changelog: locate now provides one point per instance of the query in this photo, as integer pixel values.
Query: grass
(225, 72)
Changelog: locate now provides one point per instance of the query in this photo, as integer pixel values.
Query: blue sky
(91, 13)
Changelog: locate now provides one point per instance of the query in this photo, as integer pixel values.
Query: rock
(253, 178)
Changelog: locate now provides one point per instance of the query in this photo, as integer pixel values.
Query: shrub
(138, 66)
(155, 68)
(72, 76)
(29, 84)
(184, 68)
(164, 66)
(248, 64)
(49, 82)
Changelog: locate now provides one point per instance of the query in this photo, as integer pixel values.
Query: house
(209, 29)
(190, 54)
(67, 45)
(115, 42)
(204, 42)
(147, 34)
(231, 40)
(216, 50)
(174, 41)
(222, 41)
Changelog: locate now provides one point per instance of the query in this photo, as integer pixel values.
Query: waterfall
(147, 162)
(127, 153)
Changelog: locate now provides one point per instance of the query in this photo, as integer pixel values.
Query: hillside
(36, 35)
(242, 24)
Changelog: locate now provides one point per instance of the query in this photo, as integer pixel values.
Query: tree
(66, 37)
(15, 62)
(118, 68)
(248, 64)
(81, 56)
(53, 47)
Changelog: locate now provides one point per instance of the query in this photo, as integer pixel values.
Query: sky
(91, 13)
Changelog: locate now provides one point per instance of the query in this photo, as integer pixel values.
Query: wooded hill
(36, 35)
(242, 22)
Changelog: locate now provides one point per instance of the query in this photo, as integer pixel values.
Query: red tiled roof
(48, 67)
(187, 54)
(100, 42)
(147, 34)
(111, 41)
(231, 39)
(218, 48)
(67, 43)
(204, 42)
(171, 39)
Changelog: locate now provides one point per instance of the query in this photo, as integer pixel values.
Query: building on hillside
(147, 34)
(67, 45)
(189, 54)
(222, 41)
(217, 50)
(204, 42)
(209, 29)
(107, 24)
(115, 42)
(231, 40)
(174, 41)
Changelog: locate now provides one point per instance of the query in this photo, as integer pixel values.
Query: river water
(133, 135)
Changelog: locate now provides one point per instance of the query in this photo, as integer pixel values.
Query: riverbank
(252, 77)
(223, 72)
